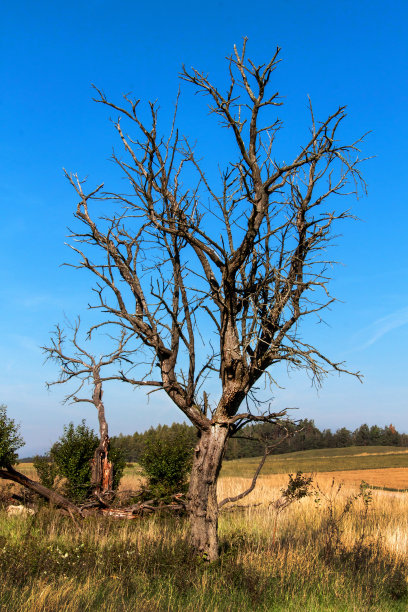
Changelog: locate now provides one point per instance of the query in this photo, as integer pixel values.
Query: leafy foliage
(10, 439)
(72, 455)
(71, 458)
(166, 461)
(117, 457)
(46, 469)
(133, 445)
(298, 487)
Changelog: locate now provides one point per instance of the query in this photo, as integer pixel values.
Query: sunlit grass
(47, 563)
(268, 562)
(322, 460)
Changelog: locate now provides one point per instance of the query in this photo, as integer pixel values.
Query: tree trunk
(102, 468)
(202, 494)
(9, 473)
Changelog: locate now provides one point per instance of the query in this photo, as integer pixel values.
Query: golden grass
(387, 518)
(389, 477)
(395, 478)
(28, 469)
(292, 563)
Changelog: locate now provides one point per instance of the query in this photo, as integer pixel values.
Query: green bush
(46, 469)
(10, 439)
(167, 461)
(73, 454)
(117, 457)
(71, 458)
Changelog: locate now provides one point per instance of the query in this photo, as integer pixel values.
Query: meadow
(323, 460)
(337, 549)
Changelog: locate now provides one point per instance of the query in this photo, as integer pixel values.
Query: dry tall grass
(47, 563)
(387, 518)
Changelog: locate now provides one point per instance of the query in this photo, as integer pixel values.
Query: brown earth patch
(268, 487)
(395, 478)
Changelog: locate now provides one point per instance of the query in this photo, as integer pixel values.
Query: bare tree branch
(217, 277)
(267, 451)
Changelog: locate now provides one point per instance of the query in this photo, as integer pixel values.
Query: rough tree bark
(102, 468)
(202, 494)
(213, 279)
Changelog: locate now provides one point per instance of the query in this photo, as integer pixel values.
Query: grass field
(48, 563)
(331, 551)
(380, 466)
(322, 460)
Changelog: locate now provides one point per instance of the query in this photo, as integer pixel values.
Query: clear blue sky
(344, 52)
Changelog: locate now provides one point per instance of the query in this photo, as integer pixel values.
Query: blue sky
(343, 52)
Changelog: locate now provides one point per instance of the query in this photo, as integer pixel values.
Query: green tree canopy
(10, 439)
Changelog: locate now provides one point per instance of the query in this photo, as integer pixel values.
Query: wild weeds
(146, 564)
(335, 513)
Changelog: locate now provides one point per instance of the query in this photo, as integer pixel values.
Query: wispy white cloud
(29, 300)
(383, 326)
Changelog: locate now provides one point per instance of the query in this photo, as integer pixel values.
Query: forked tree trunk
(202, 494)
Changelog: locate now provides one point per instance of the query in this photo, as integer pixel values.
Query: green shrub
(167, 461)
(46, 469)
(73, 454)
(10, 439)
(117, 457)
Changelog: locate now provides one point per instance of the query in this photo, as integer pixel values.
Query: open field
(48, 563)
(388, 478)
(330, 551)
(322, 460)
(380, 466)
(27, 469)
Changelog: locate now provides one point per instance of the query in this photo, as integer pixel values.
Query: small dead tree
(213, 278)
(76, 363)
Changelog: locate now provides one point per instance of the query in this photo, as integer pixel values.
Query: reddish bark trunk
(102, 468)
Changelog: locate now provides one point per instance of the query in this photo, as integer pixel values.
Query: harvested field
(393, 478)
(378, 466)
(355, 458)
(268, 487)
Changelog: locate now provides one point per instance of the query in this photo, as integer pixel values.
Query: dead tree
(213, 277)
(81, 365)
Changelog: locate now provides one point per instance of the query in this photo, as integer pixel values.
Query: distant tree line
(133, 446)
(304, 436)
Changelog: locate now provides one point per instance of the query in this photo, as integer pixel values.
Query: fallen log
(9, 473)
